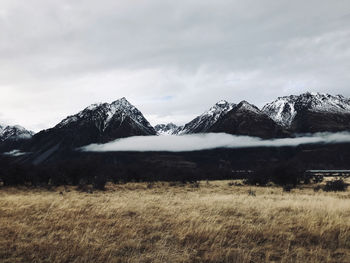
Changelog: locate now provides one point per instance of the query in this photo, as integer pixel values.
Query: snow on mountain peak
(222, 102)
(15, 132)
(105, 112)
(220, 107)
(167, 129)
(284, 109)
(245, 105)
(93, 106)
(203, 122)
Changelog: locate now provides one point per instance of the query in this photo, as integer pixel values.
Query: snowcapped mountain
(167, 129)
(98, 123)
(284, 109)
(310, 112)
(247, 119)
(104, 115)
(241, 119)
(205, 121)
(14, 133)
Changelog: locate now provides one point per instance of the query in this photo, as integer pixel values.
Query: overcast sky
(171, 59)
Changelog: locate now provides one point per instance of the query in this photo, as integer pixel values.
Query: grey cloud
(58, 56)
(207, 141)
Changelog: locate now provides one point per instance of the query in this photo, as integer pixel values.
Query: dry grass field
(137, 222)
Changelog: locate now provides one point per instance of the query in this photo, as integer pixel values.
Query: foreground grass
(213, 223)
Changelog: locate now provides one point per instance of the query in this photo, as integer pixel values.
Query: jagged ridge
(247, 119)
(285, 109)
(102, 115)
(167, 129)
(14, 133)
(205, 121)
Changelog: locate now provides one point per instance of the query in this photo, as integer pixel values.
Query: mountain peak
(15, 133)
(103, 113)
(284, 109)
(122, 100)
(167, 129)
(206, 120)
(222, 102)
(98, 123)
(245, 105)
(93, 106)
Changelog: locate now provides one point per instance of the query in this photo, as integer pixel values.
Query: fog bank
(195, 142)
(15, 153)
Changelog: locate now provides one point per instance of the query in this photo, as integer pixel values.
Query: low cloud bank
(195, 142)
(14, 153)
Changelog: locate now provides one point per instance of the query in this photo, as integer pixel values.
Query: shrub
(234, 184)
(318, 178)
(195, 184)
(317, 188)
(251, 192)
(288, 188)
(335, 186)
(287, 175)
(84, 188)
(260, 177)
(99, 182)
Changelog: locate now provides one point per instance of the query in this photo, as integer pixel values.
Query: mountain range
(103, 122)
(240, 119)
(304, 113)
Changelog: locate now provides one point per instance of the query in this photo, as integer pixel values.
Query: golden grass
(213, 223)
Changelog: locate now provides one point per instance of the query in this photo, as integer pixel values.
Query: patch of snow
(249, 107)
(93, 106)
(167, 129)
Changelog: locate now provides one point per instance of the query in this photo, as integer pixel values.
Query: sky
(171, 59)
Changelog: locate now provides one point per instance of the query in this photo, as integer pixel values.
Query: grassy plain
(139, 222)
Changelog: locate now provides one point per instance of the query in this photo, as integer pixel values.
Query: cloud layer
(195, 142)
(172, 59)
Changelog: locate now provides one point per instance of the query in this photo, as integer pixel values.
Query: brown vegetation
(162, 222)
